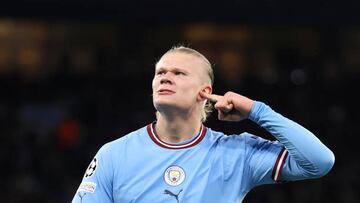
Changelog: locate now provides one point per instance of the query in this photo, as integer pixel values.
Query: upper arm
(96, 185)
(250, 160)
(265, 160)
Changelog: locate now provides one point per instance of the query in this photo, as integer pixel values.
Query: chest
(168, 175)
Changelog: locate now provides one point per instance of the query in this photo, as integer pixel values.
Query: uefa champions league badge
(174, 175)
(91, 169)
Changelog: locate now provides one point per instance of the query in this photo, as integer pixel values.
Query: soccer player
(176, 159)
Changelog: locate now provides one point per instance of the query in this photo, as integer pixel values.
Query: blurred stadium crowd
(69, 87)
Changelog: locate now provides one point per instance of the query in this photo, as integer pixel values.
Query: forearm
(304, 147)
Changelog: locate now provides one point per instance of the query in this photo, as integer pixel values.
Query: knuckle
(229, 93)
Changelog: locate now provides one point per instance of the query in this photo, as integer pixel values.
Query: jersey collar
(193, 142)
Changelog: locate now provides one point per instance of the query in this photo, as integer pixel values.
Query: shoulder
(120, 143)
(229, 139)
(244, 139)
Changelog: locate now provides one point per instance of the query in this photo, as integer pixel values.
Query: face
(179, 77)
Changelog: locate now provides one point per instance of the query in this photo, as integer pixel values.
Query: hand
(231, 106)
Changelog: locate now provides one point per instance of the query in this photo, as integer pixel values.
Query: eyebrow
(170, 69)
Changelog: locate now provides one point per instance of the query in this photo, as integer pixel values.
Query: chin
(163, 104)
(159, 104)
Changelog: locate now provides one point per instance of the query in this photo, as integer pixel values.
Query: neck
(173, 129)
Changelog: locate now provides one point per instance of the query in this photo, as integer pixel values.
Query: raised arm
(308, 156)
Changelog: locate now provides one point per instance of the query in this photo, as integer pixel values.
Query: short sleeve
(265, 160)
(96, 185)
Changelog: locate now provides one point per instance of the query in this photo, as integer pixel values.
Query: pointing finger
(211, 97)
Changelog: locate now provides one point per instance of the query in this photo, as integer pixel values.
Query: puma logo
(172, 194)
(81, 196)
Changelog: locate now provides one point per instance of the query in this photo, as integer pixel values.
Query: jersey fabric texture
(211, 167)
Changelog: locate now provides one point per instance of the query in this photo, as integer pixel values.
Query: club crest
(174, 175)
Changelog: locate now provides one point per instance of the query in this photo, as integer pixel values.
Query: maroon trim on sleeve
(279, 164)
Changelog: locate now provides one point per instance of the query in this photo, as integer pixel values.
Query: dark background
(77, 74)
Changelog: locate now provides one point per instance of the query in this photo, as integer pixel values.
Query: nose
(165, 79)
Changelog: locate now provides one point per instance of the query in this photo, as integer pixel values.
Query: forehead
(181, 60)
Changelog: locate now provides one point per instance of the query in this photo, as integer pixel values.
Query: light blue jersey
(211, 167)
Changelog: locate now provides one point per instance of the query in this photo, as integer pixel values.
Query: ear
(207, 89)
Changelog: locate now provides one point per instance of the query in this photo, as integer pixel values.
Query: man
(177, 159)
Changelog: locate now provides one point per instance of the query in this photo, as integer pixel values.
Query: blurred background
(77, 74)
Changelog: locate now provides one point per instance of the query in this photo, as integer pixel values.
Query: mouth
(165, 92)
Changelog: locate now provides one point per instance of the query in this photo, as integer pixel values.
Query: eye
(160, 72)
(179, 73)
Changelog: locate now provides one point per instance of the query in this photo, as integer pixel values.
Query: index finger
(211, 97)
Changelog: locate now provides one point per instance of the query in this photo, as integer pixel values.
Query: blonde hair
(208, 107)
